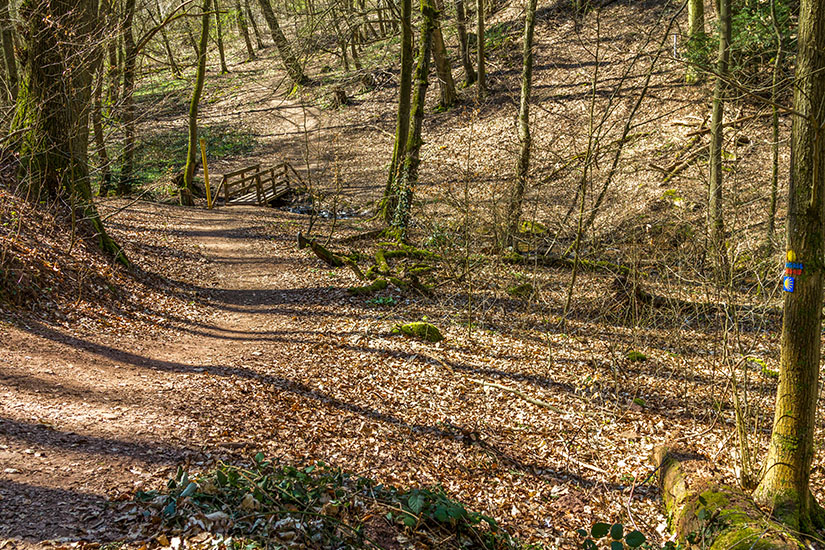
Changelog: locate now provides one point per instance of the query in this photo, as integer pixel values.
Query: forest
(451, 274)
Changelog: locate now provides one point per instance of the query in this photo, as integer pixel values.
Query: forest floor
(230, 341)
(262, 350)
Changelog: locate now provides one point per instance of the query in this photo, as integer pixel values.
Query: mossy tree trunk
(412, 159)
(481, 78)
(7, 40)
(219, 28)
(293, 67)
(200, 77)
(696, 37)
(442, 63)
(244, 29)
(402, 121)
(52, 115)
(464, 44)
(715, 222)
(785, 486)
(127, 163)
(525, 141)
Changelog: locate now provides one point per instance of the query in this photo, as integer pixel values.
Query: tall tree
(99, 139)
(293, 67)
(716, 225)
(525, 141)
(442, 63)
(52, 115)
(7, 40)
(464, 44)
(200, 77)
(402, 121)
(254, 24)
(785, 486)
(481, 87)
(412, 159)
(127, 162)
(696, 37)
(250, 51)
(219, 27)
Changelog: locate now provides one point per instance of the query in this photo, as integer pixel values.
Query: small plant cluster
(267, 505)
(613, 536)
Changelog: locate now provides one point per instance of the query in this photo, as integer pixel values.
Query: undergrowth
(268, 505)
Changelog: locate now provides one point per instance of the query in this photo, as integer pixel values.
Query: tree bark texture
(52, 113)
(244, 29)
(785, 486)
(192, 151)
(716, 225)
(412, 158)
(696, 35)
(127, 165)
(442, 63)
(293, 67)
(8, 48)
(461, 27)
(525, 141)
(254, 24)
(402, 122)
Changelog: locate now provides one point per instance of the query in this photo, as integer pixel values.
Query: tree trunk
(481, 88)
(777, 68)
(219, 27)
(293, 67)
(716, 226)
(785, 486)
(461, 27)
(442, 63)
(53, 108)
(192, 151)
(191, 39)
(254, 24)
(100, 142)
(402, 123)
(696, 37)
(523, 166)
(127, 165)
(250, 51)
(412, 159)
(7, 39)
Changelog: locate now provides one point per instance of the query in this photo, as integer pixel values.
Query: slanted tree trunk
(293, 67)
(7, 39)
(100, 141)
(200, 77)
(523, 165)
(716, 225)
(461, 27)
(250, 51)
(190, 36)
(409, 169)
(170, 56)
(402, 122)
(442, 63)
(254, 24)
(219, 27)
(481, 87)
(696, 37)
(127, 164)
(785, 487)
(52, 117)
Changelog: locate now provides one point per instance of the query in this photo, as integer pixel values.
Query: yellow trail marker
(791, 256)
(206, 175)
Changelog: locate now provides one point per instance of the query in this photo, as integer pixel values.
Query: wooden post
(206, 175)
(258, 185)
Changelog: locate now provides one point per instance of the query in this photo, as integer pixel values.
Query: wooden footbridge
(256, 185)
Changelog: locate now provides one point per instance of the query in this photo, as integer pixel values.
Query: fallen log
(714, 515)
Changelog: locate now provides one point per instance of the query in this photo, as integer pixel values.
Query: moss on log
(718, 516)
(421, 330)
(323, 254)
(524, 290)
(375, 286)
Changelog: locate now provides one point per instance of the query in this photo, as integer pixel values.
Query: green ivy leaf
(616, 545)
(599, 530)
(617, 531)
(582, 533)
(634, 539)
